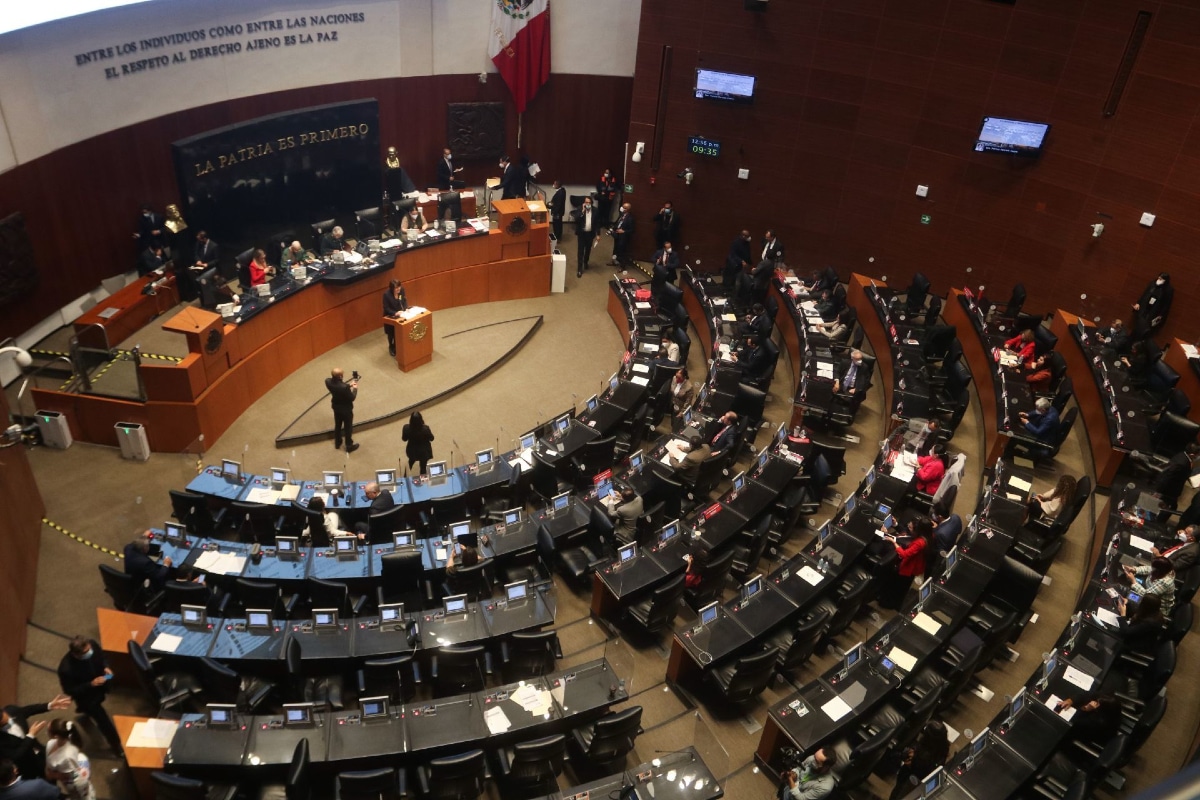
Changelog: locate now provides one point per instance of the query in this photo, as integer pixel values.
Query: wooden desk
(142, 761)
(1189, 383)
(619, 312)
(1092, 407)
(414, 340)
(979, 361)
(116, 629)
(681, 667)
(132, 311)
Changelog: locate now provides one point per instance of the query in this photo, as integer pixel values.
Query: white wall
(49, 100)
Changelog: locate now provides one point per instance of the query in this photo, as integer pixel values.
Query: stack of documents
(221, 563)
(152, 733)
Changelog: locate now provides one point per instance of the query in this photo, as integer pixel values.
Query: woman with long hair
(1053, 502)
(321, 530)
(420, 441)
(910, 561)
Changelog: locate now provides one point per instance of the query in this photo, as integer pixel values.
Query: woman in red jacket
(910, 562)
(931, 469)
(1022, 344)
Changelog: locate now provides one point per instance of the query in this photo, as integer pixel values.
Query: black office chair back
(1181, 620)
(221, 684)
(847, 608)
(1063, 395)
(451, 508)
(1014, 585)
(123, 589)
(392, 677)
(1152, 713)
(681, 338)
(538, 763)
(1112, 755)
(863, 760)
(1064, 427)
(933, 311)
(1172, 433)
(313, 522)
(750, 401)
(712, 580)
(255, 594)
(474, 581)
(367, 220)
(613, 735)
(1162, 379)
(961, 675)
(459, 777)
(664, 604)
(401, 576)
(1178, 402)
(381, 526)
(176, 787)
(804, 640)
(531, 653)
(751, 675)
(191, 510)
(329, 594)
(835, 457)
(916, 293)
(297, 786)
(459, 669)
(918, 714)
(176, 594)
(1043, 340)
(371, 784)
(1159, 672)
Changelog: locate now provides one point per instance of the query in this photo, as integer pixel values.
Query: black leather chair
(1015, 301)
(243, 268)
(367, 223)
(713, 576)
(297, 784)
(748, 547)
(604, 744)
(915, 294)
(402, 580)
(844, 609)
(380, 527)
(515, 495)
(385, 783)
(530, 654)
(168, 786)
(223, 684)
(459, 669)
(262, 594)
(797, 643)
(576, 555)
(475, 581)
(126, 594)
(531, 769)
(319, 229)
(334, 594)
(905, 722)
(321, 689)
(254, 522)
(856, 762)
(170, 690)
(1061, 773)
(742, 680)
(460, 777)
(177, 594)
(1013, 589)
(658, 611)
(194, 512)
(834, 455)
(396, 678)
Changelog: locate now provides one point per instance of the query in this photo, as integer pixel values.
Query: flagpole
(518, 130)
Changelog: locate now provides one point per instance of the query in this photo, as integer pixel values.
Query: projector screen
(24, 15)
(247, 182)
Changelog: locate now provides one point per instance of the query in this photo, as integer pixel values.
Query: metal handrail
(27, 378)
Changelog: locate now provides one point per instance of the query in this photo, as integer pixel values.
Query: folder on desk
(290, 492)
(642, 368)
(1079, 678)
(810, 575)
(836, 708)
(1020, 484)
(265, 496)
(905, 661)
(927, 623)
(1140, 543)
(166, 643)
(497, 720)
(640, 380)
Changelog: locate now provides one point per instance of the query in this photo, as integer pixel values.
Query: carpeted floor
(94, 496)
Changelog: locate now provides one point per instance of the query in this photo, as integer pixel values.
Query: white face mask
(1159, 282)
(667, 249)
(1181, 536)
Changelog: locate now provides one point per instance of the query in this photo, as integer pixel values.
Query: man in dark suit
(394, 301)
(726, 435)
(737, 260)
(1169, 483)
(587, 232)
(341, 398)
(512, 182)
(558, 207)
(757, 323)
(854, 381)
(13, 786)
(142, 567)
(381, 501)
(18, 737)
(331, 241)
(623, 235)
(754, 359)
(772, 249)
(150, 228)
(446, 172)
(772, 255)
(666, 225)
(1183, 552)
(207, 252)
(152, 259)
(83, 673)
(668, 260)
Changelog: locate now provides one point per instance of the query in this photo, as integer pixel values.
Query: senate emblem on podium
(516, 226)
(213, 343)
(418, 331)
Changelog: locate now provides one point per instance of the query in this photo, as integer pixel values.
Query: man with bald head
(295, 256)
(341, 397)
(381, 501)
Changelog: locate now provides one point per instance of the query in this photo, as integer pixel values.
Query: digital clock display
(703, 147)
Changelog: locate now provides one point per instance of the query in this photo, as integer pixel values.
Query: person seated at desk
(1138, 363)
(688, 468)
(757, 323)
(839, 329)
(1097, 716)
(143, 568)
(683, 391)
(754, 359)
(414, 220)
(1182, 552)
(854, 380)
(468, 558)
(931, 469)
(1156, 579)
(727, 434)
(1170, 482)
(1042, 424)
(320, 533)
(152, 260)
(350, 255)
(928, 752)
(812, 780)
(207, 252)
(1037, 373)
(260, 270)
(1022, 344)
(1115, 337)
(1143, 630)
(948, 527)
(332, 242)
(668, 351)
(693, 576)
(294, 255)
(666, 262)
(1049, 505)
(624, 513)
(20, 787)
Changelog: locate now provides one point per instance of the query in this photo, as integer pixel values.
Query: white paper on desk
(675, 449)
(496, 720)
(927, 623)
(836, 708)
(810, 575)
(1052, 703)
(729, 317)
(902, 472)
(641, 368)
(1195, 481)
(323, 495)
(641, 305)
(824, 369)
(208, 561)
(1014, 496)
(266, 496)
(1020, 484)
(640, 380)
(166, 642)
(1106, 617)
(480, 224)
(152, 733)
(1140, 543)
(809, 305)
(905, 661)
(1080, 679)
(1189, 350)
(440, 553)
(230, 564)
(290, 492)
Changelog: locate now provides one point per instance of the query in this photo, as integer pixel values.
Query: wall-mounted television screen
(714, 85)
(1000, 135)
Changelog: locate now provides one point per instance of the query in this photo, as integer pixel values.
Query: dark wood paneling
(80, 202)
(913, 78)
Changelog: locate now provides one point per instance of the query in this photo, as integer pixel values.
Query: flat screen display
(324, 618)
(286, 545)
(1000, 135)
(402, 538)
(456, 604)
(708, 614)
(561, 501)
(175, 532)
(627, 553)
(374, 707)
(258, 618)
(297, 714)
(220, 714)
(714, 85)
(332, 478)
(512, 516)
(385, 477)
(437, 469)
(516, 591)
(279, 475)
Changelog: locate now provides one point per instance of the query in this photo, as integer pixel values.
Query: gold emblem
(418, 331)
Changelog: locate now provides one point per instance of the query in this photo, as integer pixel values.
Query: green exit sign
(629, 188)
(925, 219)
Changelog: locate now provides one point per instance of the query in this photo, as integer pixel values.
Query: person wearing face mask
(587, 232)
(623, 235)
(512, 181)
(84, 676)
(666, 260)
(1182, 552)
(446, 172)
(606, 193)
(666, 225)
(1153, 306)
(737, 261)
(414, 220)
(558, 207)
(150, 228)
(395, 303)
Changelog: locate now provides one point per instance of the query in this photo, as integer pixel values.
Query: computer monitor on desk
(221, 715)
(1015, 707)
(626, 554)
(331, 479)
(297, 715)
(739, 481)
(923, 593)
(174, 532)
(635, 461)
(978, 744)
(386, 478)
(437, 470)
(668, 533)
(848, 509)
(258, 619)
(931, 784)
(454, 605)
(346, 547)
(512, 517)
(614, 381)
(280, 475)
(404, 538)
(561, 425)
(751, 588)
(852, 657)
(193, 616)
(591, 404)
(460, 533)
(324, 618)
(710, 613)
(1048, 668)
(559, 503)
(516, 592)
(391, 613)
(287, 547)
(484, 459)
(231, 469)
(373, 707)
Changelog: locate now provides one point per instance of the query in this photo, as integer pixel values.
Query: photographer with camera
(341, 397)
(812, 779)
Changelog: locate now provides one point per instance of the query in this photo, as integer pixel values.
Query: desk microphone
(688, 752)
(498, 440)
(456, 448)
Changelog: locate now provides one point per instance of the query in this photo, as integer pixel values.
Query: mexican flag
(520, 46)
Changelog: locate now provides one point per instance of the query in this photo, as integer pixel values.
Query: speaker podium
(414, 340)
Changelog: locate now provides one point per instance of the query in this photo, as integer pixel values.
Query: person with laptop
(812, 780)
(420, 442)
(625, 513)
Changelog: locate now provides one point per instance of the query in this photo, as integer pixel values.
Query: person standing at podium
(587, 233)
(341, 398)
(394, 302)
(420, 441)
